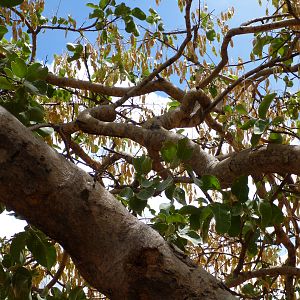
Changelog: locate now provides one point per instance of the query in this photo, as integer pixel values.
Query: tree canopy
(150, 161)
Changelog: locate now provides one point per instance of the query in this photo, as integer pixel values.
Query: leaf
(189, 210)
(19, 67)
(208, 182)
(240, 188)
(21, 284)
(126, 192)
(3, 31)
(275, 138)
(10, 3)
(235, 226)
(77, 293)
(265, 104)
(169, 152)
(241, 109)
(164, 184)
(145, 194)
(211, 34)
(184, 152)
(176, 218)
(41, 249)
(142, 164)
(122, 10)
(31, 87)
(249, 124)
(137, 204)
(17, 247)
(265, 211)
(5, 84)
(260, 126)
(222, 217)
(277, 215)
(189, 235)
(36, 72)
(255, 138)
(138, 13)
(179, 195)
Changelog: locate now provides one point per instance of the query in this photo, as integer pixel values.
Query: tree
(222, 153)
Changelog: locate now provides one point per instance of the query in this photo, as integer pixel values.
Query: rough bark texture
(117, 254)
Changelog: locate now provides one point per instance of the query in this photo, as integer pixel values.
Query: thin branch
(241, 31)
(244, 276)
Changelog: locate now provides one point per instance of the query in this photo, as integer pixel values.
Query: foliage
(230, 229)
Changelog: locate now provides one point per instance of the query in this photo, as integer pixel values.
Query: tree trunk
(116, 253)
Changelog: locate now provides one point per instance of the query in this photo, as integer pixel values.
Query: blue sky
(54, 41)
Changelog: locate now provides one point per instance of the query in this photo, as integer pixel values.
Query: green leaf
(277, 215)
(208, 182)
(127, 192)
(19, 67)
(138, 13)
(275, 138)
(164, 184)
(189, 210)
(142, 164)
(77, 293)
(5, 84)
(122, 10)
(137, 204)
(255, 139)
(169, 152)
(184, 152)
(41, 249)
(10, 3)
(260, 126)
(21, 284)
(36, 114)
(211, 34)
(235, 226)
(189, 235)
(265, 211)
(145, 194)
(3, 31)
(249, 124)
(176, 218)
(36, 72)
(30, 87)
(222, 217)
(17, 248)
(240, 188)
(241, 109)
(265, 104)
(205, 228)
(179, 195)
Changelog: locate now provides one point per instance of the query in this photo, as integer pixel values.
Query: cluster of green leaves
(234, 215)
(262, 123)
(15, 276)
(176, 153)
(20, 82)
(107, 8)
(28, 252)
(277, 46)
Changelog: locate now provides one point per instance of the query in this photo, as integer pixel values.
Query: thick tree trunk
(117, 254)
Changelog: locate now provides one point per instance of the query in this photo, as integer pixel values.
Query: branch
(240, 31)
(153, 86)
(284, 270)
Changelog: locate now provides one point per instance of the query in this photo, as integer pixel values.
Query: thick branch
(117, 254)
